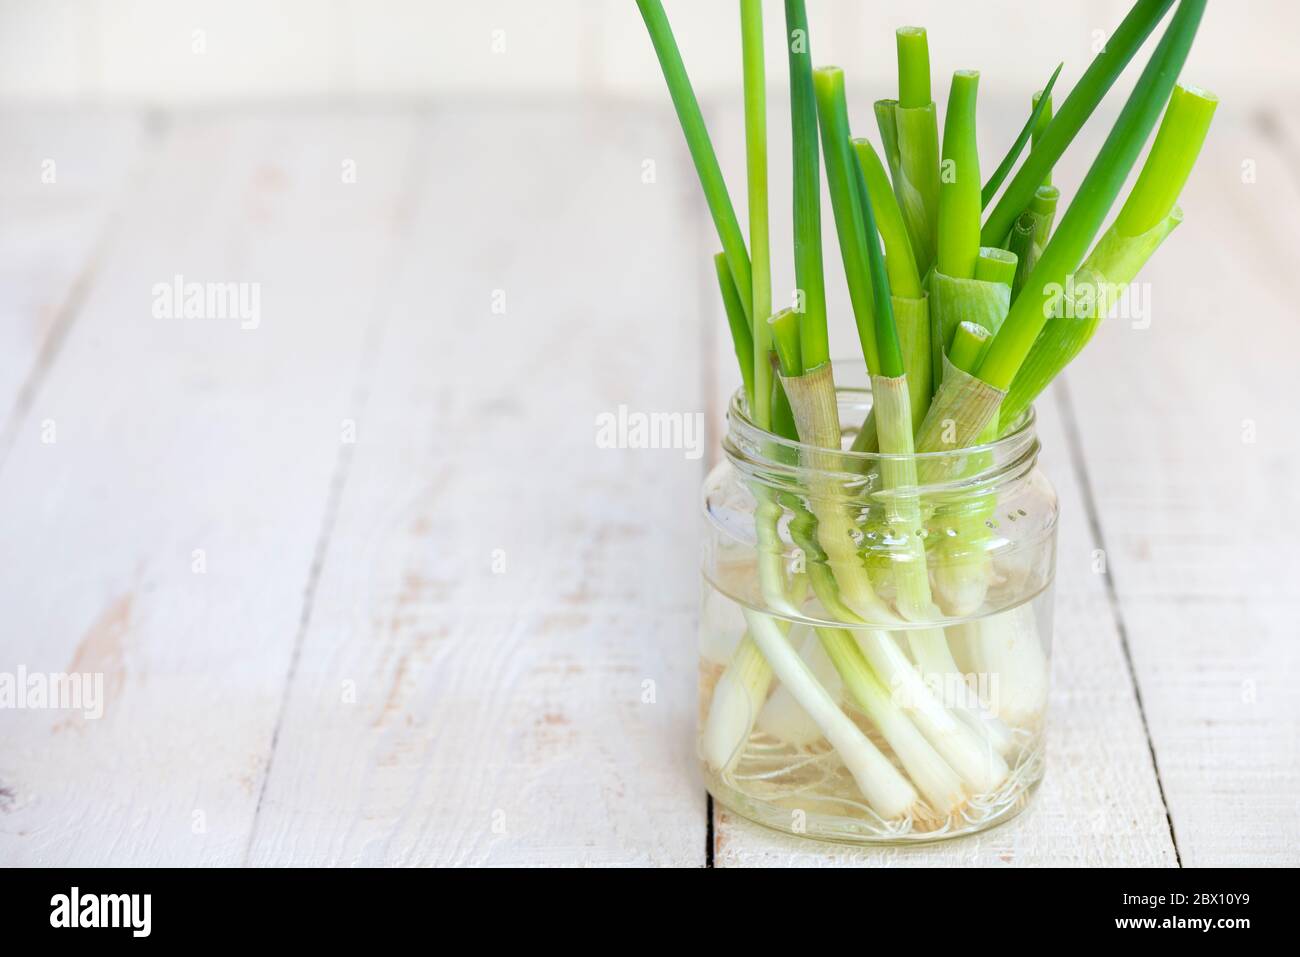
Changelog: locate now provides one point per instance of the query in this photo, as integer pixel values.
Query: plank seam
(65, 317)
(370, 351)
(1077, 460)
(699, 227)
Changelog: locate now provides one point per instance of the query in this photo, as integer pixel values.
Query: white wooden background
(432, 645)
(191, 52)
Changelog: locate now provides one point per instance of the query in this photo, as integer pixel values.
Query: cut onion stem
(968, 345)
(1021, 245)
(995, 265)
(909, 131)
(913, 67)
(959, 182)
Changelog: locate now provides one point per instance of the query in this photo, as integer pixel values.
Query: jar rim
(738, 418)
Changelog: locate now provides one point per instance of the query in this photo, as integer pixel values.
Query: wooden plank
(164, 497)
(60, 201)
(499, 666)
(1099, 804)
(1187, 431)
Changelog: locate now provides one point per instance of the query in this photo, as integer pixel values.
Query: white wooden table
(365, 591)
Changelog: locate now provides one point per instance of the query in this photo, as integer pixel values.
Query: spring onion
(1148, 216)
(1080, 104)
(910, 133)
(959, 184)
(841, 181)
(1096, 194)
(814, 345)
(854, 657)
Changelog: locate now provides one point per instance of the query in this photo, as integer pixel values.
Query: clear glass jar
(831, 707)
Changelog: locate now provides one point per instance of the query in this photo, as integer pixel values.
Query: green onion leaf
(697, 139)
(1096, 195)
(814, 345)
(1043, 99)
(751, 29)
(887, 348)
(784, 329)
(833, 115)
(904, 280)
(741, 338)
(1074, 112)
(1042, 105)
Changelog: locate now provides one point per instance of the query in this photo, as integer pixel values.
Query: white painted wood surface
(512, 606)
(438, 625)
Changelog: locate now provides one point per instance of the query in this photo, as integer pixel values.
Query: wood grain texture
(61, 202)
(163, 533)
(499, 666)
(438, 624)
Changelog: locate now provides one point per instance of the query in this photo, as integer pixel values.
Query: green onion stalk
(1101, 185)
(953, 357)
(839, 578)
(962, 567)
(957, 293)
(963, 407)
(908, 298)
(1007, 644)
(909, 130)
(955, 743)
(1030, 232)
(1021, 245)
(900, 492)
(1148, 216)
(806, 374)
(813, 395)
(1077, 107)
(746, 678)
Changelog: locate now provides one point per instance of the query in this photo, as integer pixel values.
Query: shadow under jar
(874, 657)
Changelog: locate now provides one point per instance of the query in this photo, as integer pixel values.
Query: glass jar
(834, 702)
